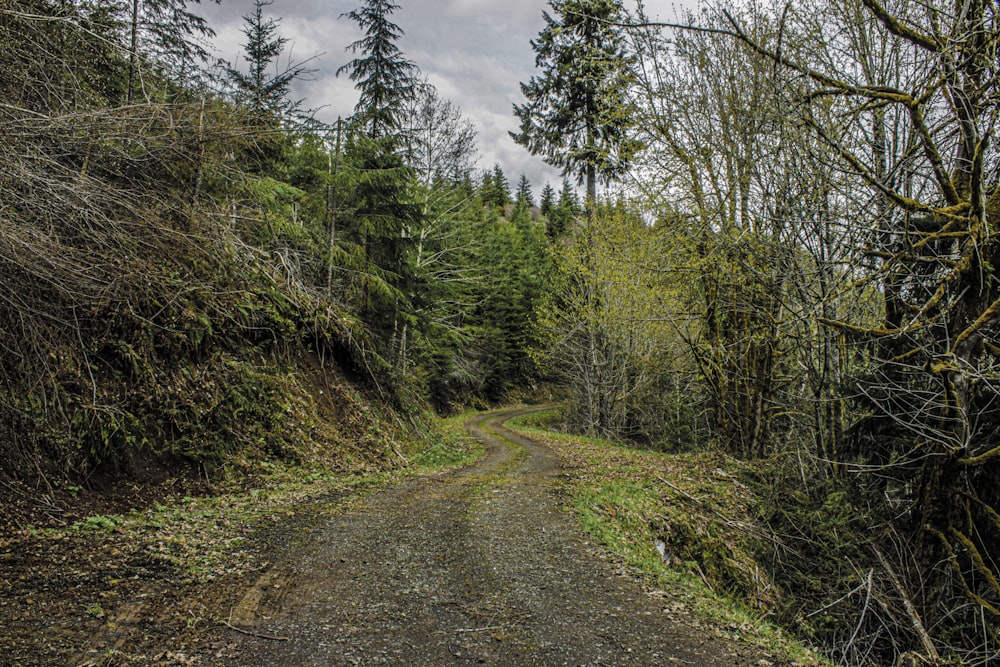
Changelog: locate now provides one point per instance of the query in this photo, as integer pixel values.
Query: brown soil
(483, 565)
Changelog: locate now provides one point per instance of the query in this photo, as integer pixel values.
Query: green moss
(96, 523)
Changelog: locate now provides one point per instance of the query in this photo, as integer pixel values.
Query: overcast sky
(475, 52)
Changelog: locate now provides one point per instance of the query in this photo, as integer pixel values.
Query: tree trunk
(133, 52)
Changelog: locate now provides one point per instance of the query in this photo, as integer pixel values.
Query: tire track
(483, 565)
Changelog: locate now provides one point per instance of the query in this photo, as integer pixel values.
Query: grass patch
(455, 447)
(97, 522)
(684, 522)
(208, 537)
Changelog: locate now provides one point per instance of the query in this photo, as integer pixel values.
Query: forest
(773, 241)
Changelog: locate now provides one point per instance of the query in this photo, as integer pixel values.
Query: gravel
(485, 565)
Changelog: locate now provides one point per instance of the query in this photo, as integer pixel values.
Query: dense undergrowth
(148, 585)
(695, 524)
(756, 547)
(160, 297)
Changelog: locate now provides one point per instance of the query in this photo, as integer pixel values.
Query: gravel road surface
(480, 566)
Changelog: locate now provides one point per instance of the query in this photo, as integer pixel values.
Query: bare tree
(717, 165)
(904, 95)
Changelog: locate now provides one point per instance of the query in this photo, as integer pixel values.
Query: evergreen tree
(382, 216)
(495, 190)
(501, 185)
(263, 93)
(577, 115)
(568, 199)
(465, 186)
(170, 34)
(519, 273)
(385, 79)
(548, 202)
(564, 212)
(524, 199)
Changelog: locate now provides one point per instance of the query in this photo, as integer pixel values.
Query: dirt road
(477, 566)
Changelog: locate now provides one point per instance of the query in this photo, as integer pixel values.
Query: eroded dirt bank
(477, 566)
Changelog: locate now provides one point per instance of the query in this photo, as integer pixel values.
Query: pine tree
(524, 199)
(385, 79)
(381, 218)
(519, 271)
(264, 94)
(568, 199)
(577, 115)
(548, 202)
(495, 190)
(501, 185)
(170, 36)
(561, 215)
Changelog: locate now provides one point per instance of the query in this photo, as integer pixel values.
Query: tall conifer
(548, 201)
(385, 79)
(263, 92)
(577, 115)
(524, 198)
(164, 32)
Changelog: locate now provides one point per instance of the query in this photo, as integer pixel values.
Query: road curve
(477, 566)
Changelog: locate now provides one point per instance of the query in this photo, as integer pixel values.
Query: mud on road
(482, 565)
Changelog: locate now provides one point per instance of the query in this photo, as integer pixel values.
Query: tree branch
(900, 30)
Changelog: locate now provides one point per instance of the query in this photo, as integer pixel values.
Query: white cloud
(476, 52)
(519, 11)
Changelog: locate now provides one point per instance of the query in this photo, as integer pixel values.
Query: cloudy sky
(475, 52)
